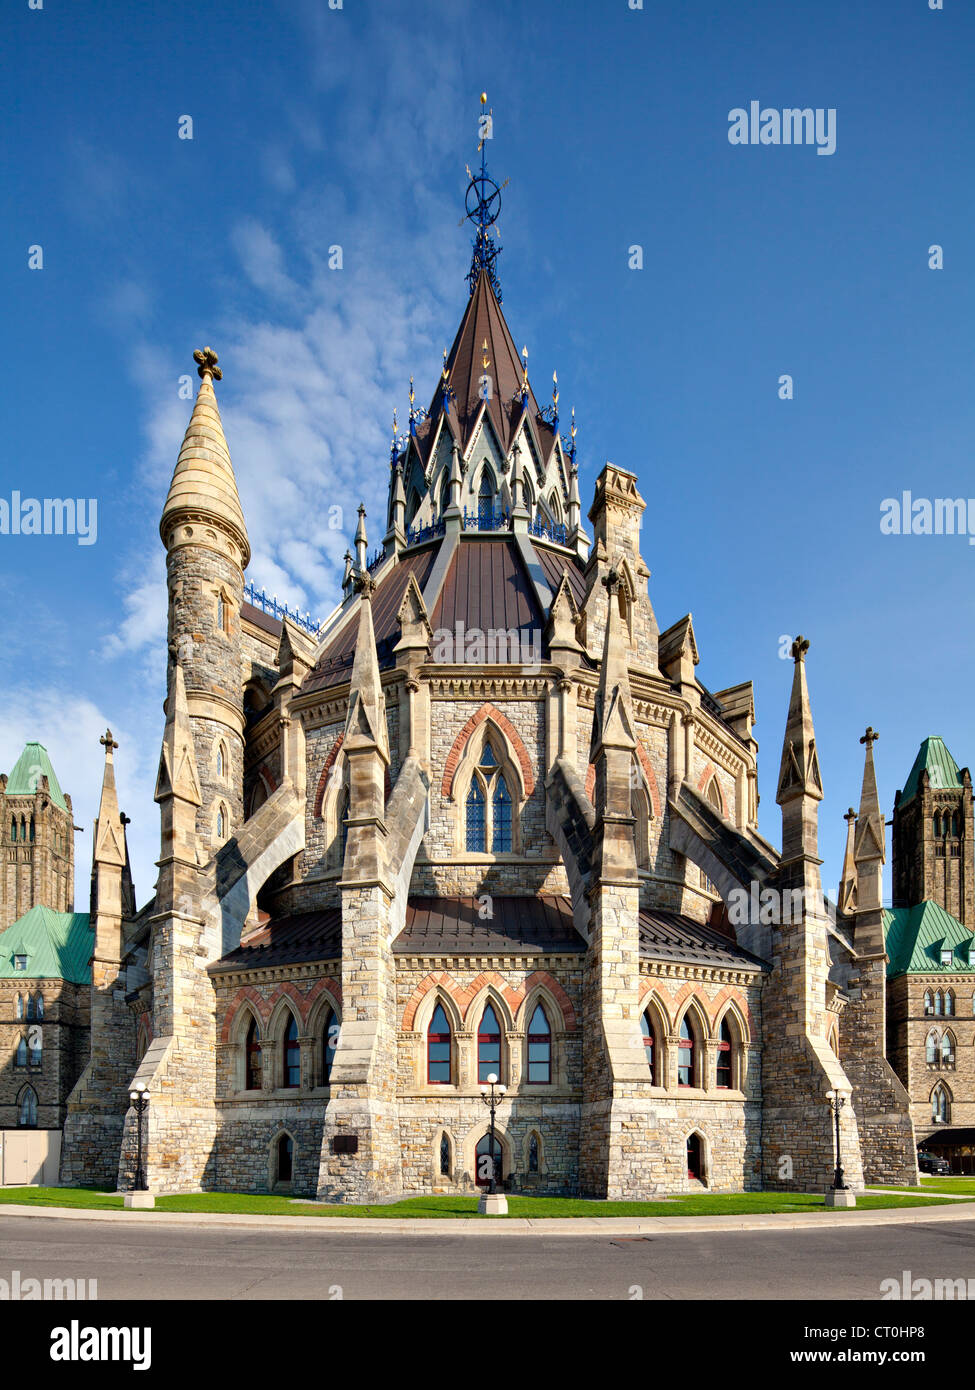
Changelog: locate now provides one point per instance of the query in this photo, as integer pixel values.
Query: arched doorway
(482, 1161)
(695, 1158)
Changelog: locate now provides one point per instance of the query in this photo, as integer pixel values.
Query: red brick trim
(268, 776)
(488, 711)
(246, 992)
(730, 994)
(651, 987)
(320, 987)
(292, 992)
(709, 772)
(429, 982)
(549, 982)
(320, 793)
(514, 996)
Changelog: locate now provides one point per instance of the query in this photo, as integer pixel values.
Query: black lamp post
(139, 1097)
(492, 1101)
(836, 1103)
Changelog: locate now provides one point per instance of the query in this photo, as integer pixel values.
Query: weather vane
(483, 206)
(551, 412)
(570, 444)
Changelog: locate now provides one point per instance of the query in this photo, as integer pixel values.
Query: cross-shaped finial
(799, 648)
(870, 737)
(850, 815)
(124, 820)
(207, 359)
(108, 743)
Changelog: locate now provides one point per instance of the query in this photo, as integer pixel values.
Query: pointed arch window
(20, 1059)
(725, 1060)
(27, 1109)
(223, 823)
(947, 1049)
(221, 613)
(444, 1155)
(949, 1002)
(490, 807)
(713, 794)
(685, 1054)
(32, 829)
(31, 1007)
(19, 1012)
(13, 827)
(954, 823)
(221, 760)
(937, 825)
(931, 1049)
(39, 1006)
(252, 1058)
(501, 807)
(476, 823)
(649, 1045)
(285, 1158)
(488, 1162)
(533, 1153)
(539, 1048)
(330, 1040)
(445, 492)
(292, 1054)
(35, 1043)
(488, 1046)
(555, 507)
(438, 1048)
(929, 1002)
(940, 1105)
(939, 1003)
(485, 501)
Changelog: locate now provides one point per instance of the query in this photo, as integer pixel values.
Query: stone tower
(207, 551)
(933, 839)
(37, 834)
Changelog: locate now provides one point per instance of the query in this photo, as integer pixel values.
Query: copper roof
(484, 321)
(553, 562)
(670, 936)
(260, 619)
(335, 664)
(519, 926)
(304, 936)
(487, 587)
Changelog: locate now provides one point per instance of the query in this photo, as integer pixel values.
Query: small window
(940, 1106)
(476, 824)
(931, 1050)
(650, 1046)
(31, 1007)
(292, 1054)
(946, 955)
(222, 623)
(252, 1077)
(330, 1039)
(539, 1049)
(949, 1002)
(685, 1055)
(929, 1002)
(20, 962)
(221, 761)
(223, 823)
(39, 1006)
(19, 1012)
(502, 818)
(285, 1158)
(444, 1156)
(488, 1046)
(21, 1055)
(27, 1110)
(438, 1048)
(939, 1003)
(35, 1045)
(725, 1058)
(533, 1154)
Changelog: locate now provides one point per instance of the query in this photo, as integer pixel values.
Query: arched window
(444, 1155)
(488, 1046)
(252, 1058)
(713, 794)
(445, 493)
(533, 1153)
(501, 842)
(39, 1006)
(438, 1048)
(476, 825)
(221, 613)
(21, 1057)
(285, 1158)
(555, 507)
(947, 1049)
(685, 1054)
(32, 829)
(221, 761)
(929, 1002)
(954, 823)
(330, 1038)
(486, 1161)
(222, 824)
(539, 1048)
(949, 1002)
(649, 1045)
(292, 1054)
(529, 493)
(937, 825)
(31, 1007)
(940, 1105)
(725, 1060)
(23, 828)
(342, 814)
(35, 1044)
(13, 827)
(485, 501)
(27, 1110)
(695, 1168)
(931, 1049)
(939, 1003)
(20, 1006)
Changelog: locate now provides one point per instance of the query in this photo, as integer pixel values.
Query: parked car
(932, 1163)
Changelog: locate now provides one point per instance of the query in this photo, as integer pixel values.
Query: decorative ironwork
(376, 561)
(416, 535)
(259, 599)
(417, 417)
(548, 530)
(483, 207)
(483, 520)
(551, 412)
(569, 441)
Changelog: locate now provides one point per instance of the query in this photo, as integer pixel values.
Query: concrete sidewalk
(609, 1226)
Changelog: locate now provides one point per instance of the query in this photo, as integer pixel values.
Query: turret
(800, 785)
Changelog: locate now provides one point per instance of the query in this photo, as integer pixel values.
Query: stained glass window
(476, 826)
(502, 818)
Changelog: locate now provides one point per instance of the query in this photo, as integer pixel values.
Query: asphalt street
(153, 1261)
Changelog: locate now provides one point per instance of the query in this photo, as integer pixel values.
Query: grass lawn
(958, 1187)
(735, 1204)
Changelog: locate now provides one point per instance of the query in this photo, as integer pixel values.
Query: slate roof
(669, 936)
(916, 935)
(934, 758)
(519, 926)
(58, 946)
(304, 936)
(33, 764)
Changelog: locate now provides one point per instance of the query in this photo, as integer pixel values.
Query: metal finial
(483, 206)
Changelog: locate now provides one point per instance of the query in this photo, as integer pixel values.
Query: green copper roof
(30, 767)
(58, 946)
(916, 937)
(941, 767)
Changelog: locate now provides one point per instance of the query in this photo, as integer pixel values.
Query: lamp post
(492, 1095)
(139, 1096)
(839, 1194)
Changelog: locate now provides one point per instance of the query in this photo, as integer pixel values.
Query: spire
(800, 785)
(612, 717)
(203, 481)
(869, 846)
(483, 204)
(365, 725)
(361, 544)
(109, 836)
(177, 777)
(848, 878)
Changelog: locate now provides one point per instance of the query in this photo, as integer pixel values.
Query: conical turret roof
(33, 764)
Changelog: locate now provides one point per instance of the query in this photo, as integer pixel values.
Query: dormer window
(20, 962)
(946, 955)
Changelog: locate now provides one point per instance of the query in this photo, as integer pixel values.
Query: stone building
(931, 970)
(484, 819)
(45, 949)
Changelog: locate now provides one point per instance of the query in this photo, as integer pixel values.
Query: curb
(608, 1226)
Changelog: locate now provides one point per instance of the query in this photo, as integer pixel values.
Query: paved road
(167, 1262)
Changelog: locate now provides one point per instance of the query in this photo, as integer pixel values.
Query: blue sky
(313, 127)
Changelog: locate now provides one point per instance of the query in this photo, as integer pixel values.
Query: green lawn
(737, 1204)
(959, 1187)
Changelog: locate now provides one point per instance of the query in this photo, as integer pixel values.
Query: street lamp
(139, 1096)
(492, 1100)
(840, 1193)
